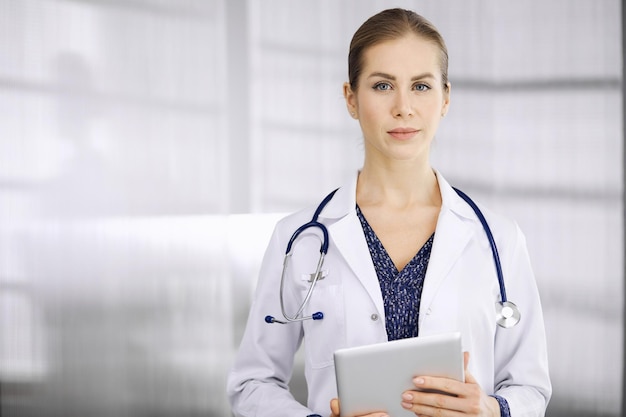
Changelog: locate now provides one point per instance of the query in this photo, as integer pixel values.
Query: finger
(425, 403)
(469, 378)
(335, 412)
(438, 384)
(334, 407)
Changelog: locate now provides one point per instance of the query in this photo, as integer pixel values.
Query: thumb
(469, 378)
(334, 407)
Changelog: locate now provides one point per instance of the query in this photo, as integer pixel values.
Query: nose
(402, 105)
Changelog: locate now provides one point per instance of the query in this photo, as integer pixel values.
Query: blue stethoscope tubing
(507, 313)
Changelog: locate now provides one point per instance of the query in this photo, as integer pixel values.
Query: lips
(403, 132)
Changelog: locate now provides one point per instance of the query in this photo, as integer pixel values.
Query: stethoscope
(507, 313)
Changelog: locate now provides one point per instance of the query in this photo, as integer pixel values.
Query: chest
(401, 232)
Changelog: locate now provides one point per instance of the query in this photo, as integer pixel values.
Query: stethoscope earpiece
(271, 319)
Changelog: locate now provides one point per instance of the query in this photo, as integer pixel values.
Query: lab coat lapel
(452, 235)
(350, 241)
(451, 238)
(347, 235)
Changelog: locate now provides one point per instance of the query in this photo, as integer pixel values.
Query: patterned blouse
(402, 290)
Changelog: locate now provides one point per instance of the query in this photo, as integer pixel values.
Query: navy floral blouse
(401, 290)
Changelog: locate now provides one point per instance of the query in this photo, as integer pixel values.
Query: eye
(382, 86)
(421, 87)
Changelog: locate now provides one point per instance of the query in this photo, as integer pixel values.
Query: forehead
(409, 54)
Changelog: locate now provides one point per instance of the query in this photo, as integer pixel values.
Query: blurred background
(147, 147)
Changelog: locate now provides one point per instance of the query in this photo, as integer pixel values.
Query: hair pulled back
(389, 25)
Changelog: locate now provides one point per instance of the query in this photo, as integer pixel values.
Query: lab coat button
(428, 312)
(374, 317)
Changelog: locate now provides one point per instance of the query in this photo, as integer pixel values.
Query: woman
(407, 257)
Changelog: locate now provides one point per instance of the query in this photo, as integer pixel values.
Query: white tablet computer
(373, 377)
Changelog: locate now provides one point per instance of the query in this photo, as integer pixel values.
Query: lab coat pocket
(323, 337)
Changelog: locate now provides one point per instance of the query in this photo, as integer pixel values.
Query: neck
(400, 185)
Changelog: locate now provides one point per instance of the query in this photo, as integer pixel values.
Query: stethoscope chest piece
(507, 314)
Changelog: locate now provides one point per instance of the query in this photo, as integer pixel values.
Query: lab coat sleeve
(521, 360)
(258, 381)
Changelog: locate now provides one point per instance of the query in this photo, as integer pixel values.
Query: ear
(446, 99)
(351, 101)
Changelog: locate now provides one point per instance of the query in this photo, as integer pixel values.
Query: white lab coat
(459, 294)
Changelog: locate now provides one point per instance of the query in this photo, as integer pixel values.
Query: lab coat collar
(450, 200)
(343, 202)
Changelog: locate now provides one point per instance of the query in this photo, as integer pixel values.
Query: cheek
(370, 112)
(367, 115)
(434, 110)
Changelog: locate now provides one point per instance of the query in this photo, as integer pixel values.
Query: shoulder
(292, 222)
(470, 209)
(501, 224)
(334, 205)
(296, 219)
(505, 230)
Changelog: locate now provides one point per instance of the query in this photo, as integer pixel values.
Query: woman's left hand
(469, 398)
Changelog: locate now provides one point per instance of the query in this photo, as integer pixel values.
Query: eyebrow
(393, 78)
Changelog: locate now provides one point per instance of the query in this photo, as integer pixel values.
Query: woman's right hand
(334, 410)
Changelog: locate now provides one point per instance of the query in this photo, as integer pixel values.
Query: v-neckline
(388, 260)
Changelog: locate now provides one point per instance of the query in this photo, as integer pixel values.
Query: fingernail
(406, 396)
(418, 381)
